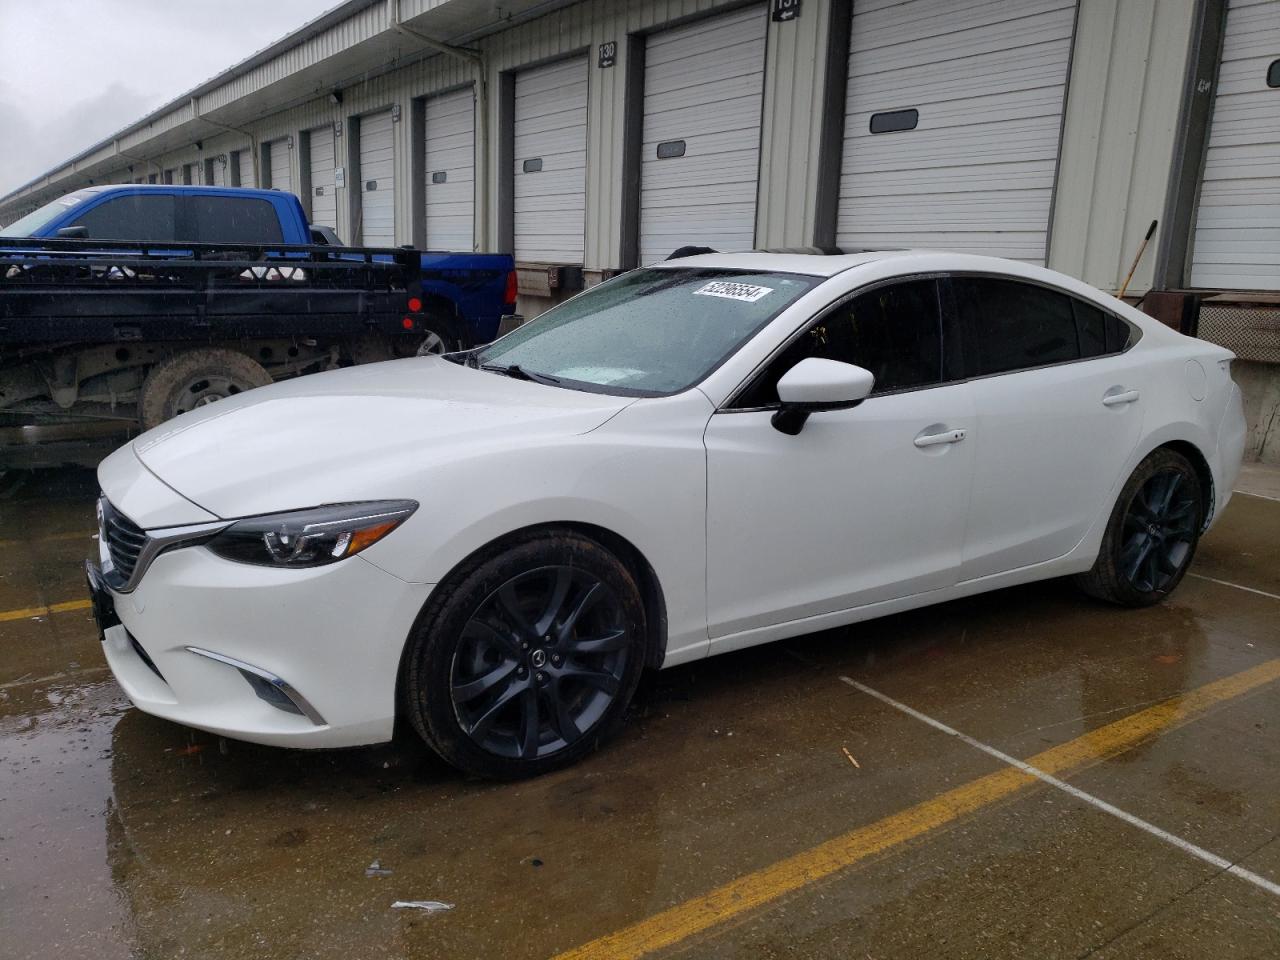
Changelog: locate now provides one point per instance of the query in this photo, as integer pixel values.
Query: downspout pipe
(476, 59)
(253, 141)
(142, 160)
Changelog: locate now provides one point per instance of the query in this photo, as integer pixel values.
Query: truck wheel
(195, 378)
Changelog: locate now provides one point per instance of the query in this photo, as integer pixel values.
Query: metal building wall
(1120, 131)
(791, 138)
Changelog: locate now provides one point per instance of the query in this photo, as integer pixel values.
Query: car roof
(812, 263)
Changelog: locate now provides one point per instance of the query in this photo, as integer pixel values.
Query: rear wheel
(526, 660)
(1152, 534)
(194, 379)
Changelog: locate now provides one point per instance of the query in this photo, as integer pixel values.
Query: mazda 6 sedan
(692, 458)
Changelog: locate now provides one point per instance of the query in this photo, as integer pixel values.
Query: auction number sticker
(726, 290)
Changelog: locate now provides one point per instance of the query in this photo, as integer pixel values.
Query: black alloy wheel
(1152, 533)
(523, 661)
(1159, 531)
(540, 662)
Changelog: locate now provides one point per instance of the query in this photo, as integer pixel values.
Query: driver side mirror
(73, 233)
(815, 384)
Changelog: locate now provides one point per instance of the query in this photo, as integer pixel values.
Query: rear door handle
(1116, 399)
(933, 439)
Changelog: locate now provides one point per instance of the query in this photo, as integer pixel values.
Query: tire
(1152, 534)
(194, 378)
(433, 337)
(503, 679)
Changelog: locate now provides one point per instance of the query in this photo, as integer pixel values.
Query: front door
(864, 504)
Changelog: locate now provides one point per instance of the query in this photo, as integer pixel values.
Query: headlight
(311, 538)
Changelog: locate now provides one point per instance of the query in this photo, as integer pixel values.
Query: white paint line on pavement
(1184, 845)
(1228, 583)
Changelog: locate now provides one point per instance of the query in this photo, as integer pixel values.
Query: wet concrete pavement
(126, 836)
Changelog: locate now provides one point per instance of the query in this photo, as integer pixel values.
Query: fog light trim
(267, 686)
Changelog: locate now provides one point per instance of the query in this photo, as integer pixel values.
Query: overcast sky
(73, 72)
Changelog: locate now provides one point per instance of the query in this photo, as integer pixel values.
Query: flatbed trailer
(134, 333)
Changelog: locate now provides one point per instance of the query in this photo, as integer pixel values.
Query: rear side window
(1100, 332)
(1014, 326)
(145, 218)
(222, 219)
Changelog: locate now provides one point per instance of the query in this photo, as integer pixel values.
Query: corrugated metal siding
(1237, 236)
(1128, 65)
(791, 129)
(550, 162)
(988, 79)
(450, 170)
(703, 84)
(377, 180)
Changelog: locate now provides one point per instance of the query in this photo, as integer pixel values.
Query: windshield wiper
(517, 372)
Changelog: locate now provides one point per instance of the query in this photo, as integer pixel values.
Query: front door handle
(933, 439)
(1116, 399)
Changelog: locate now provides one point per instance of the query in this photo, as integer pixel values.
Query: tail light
(513, 288)
(415, 305)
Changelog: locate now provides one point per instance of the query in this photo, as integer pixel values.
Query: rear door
(1058, 410)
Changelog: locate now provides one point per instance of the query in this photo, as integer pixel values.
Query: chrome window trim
(1135, 334)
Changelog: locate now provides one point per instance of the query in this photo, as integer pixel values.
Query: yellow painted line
(51, 538)
(26, 613)
(737, 897)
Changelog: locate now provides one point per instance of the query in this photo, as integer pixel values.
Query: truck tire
(194, 378)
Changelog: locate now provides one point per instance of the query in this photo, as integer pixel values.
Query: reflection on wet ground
(126, 836)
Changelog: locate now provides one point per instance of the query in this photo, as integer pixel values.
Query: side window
(1100, 332)
(223, 219)
(144, 218)
(894, 331)
(1011, 325)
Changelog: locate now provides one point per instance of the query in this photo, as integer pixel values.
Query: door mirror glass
(816, 384)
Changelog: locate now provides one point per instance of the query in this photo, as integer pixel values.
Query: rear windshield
(649, 332)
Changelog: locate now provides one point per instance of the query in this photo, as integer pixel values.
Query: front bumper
(300, 658)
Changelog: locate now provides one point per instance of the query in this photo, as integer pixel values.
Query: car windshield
(34, 221)
(648, 332)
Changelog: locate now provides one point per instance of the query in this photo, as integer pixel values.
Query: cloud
(34, 145)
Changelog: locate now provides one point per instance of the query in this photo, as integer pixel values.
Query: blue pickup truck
(137, 302)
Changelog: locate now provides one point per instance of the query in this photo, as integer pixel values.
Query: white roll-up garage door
(1237, 239)
(451, 171)
(551, 162)
(324, 201)
(700, 159)
(377, 180)
(966, 97)
(218, 167)
(278, 160)
(243, 160)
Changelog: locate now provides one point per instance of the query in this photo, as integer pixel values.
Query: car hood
(359, 433)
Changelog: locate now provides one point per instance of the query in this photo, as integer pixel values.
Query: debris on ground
(376, 869)
(851, 757)
(429, 906)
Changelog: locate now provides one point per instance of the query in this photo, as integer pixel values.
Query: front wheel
(1151, 535)
(525, 660)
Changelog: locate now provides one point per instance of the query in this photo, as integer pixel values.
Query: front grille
(124, 540)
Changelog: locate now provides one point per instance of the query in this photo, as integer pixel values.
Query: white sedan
(715, 452)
